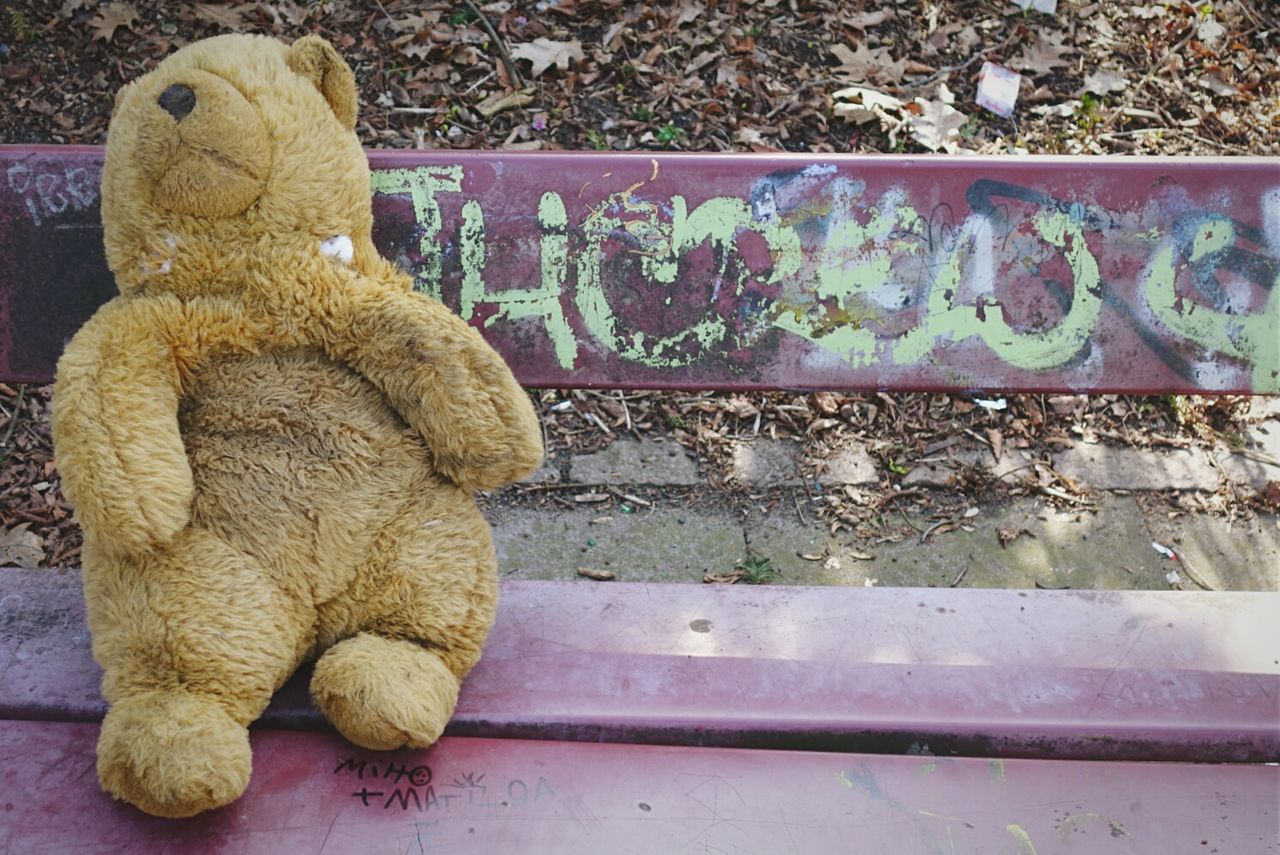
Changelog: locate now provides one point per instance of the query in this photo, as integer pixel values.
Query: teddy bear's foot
(173, 754)
(382, 693)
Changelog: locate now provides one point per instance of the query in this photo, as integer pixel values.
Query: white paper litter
(998, 89)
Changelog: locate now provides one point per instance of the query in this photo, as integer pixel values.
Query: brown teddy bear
(270, 440)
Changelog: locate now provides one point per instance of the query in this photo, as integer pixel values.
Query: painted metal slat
(1122, 675)
(764, 271)
(313, 793)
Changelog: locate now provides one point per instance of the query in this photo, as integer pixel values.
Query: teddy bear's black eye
(178, 100)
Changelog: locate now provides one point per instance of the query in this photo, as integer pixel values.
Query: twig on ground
(13, 422)
(1065, 496)
(799, 513)
(1151, 74)
(498, 44)
(931, 529)
(1193, 575)
(636, 500)
(385, 13)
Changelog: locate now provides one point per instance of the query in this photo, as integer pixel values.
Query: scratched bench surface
(1137, 675)
(314, 793)
(707, 271)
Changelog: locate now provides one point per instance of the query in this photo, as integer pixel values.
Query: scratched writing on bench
(868, 278)
(388, 785)
(48, 193)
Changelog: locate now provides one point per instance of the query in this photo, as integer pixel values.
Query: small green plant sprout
(642, 114)
(20, 26)
(669, 133)
(757, 570)
(597, 140)
(1089, 113)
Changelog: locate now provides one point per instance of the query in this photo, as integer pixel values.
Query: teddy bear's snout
(178, 100)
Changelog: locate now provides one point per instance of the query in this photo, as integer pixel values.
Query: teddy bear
(271, 442)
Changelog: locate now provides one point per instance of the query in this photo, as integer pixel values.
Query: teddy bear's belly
(299, 461)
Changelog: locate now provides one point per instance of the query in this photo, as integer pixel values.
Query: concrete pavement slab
(940, 471)
(1104, 467)
(1243, 555)
(852, 465)
(766, 463)
(627, 461)
(660, 545)
(1110, 549)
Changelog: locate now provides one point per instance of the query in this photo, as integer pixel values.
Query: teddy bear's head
(232, 146)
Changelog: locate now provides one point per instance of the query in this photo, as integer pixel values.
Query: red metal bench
(661, 717)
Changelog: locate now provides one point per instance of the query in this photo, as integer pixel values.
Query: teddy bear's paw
(173, 755)
(383, 694)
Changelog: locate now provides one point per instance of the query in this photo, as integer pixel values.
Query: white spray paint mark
(1271, 220)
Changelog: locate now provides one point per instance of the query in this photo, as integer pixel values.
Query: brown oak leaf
(1043, 55)
(111, 17)
(543, 53)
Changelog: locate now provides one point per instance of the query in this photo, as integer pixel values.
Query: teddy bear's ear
(315, 59)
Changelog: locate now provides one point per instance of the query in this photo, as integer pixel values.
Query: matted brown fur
(271, 450)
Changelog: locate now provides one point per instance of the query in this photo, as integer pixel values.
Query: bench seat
(314, 793)
(1004, 673)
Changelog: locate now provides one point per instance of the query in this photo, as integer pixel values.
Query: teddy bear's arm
(115, 428)
(447, 383)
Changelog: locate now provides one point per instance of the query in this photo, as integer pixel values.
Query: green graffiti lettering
(1250, 337)
(660, 246)
(422, 184)
(856, 260)
(514, 304)
(945, 321)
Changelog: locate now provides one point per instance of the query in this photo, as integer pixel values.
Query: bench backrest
(754, 271)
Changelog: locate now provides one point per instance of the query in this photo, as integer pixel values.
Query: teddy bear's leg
(193, 640)
(429, 601)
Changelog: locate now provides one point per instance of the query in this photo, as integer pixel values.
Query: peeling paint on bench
(1098, 274)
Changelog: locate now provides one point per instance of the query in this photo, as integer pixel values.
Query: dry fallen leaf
(598, 575)
(1102, 81)
(543, 53)
(1215, 84)
(1210, 31)
(499, 101)
(742, 408)
(937, 127)
(701, 61)
(864, 20)
(225, 16)
(689, 12)
(863, 65)
(112, 16)
(1008, 535)
(861, 105)
(1043, 55)
(20, 548)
